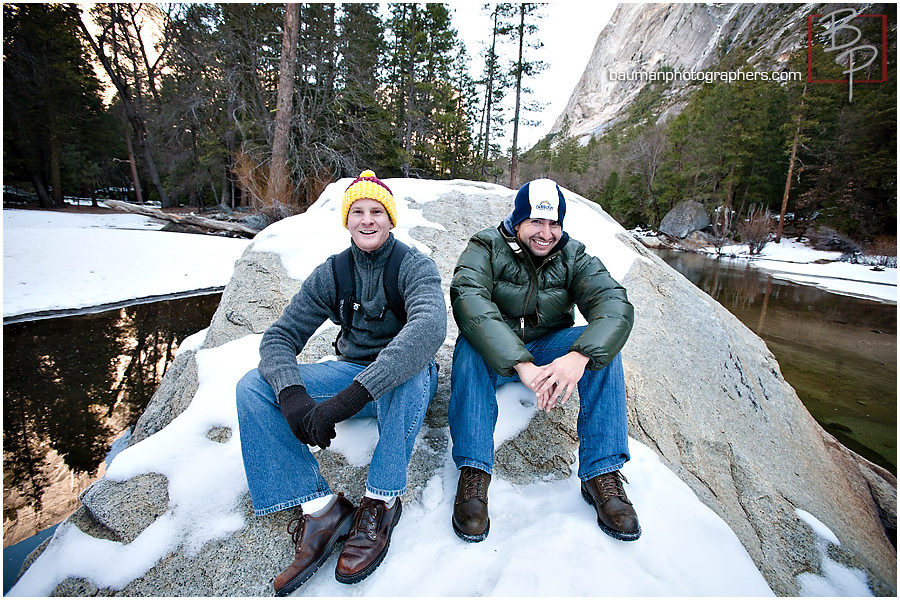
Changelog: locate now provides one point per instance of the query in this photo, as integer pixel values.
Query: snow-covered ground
(796, 262)
(793, 261)
(544, 540)
(65, 260)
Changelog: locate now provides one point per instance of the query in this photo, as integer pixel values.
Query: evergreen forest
(260, 106)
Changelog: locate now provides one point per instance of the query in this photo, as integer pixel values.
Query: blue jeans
(602, 418)
(282, 471)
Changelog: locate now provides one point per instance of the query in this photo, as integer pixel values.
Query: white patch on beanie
(544, 199)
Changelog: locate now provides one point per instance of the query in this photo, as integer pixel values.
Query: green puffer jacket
(503, 297)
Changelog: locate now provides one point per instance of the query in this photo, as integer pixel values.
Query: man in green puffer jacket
(513, 294)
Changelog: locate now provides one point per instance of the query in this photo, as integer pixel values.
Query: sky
(694, 555)
(568, 32)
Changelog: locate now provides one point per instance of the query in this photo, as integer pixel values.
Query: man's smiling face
(539, 235)
(369, 224)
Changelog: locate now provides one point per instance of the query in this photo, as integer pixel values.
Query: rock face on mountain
(642, 39)
(704, 392)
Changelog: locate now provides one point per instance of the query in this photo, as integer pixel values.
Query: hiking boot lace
(296, 528)
(610, 485)
(366, 519)
(474, 482)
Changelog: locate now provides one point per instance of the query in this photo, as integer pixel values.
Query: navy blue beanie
(538, 199)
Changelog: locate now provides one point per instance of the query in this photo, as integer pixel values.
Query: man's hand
(530, 374)
(295, 404)
(320, 427)
(557, 380)
(320, 421)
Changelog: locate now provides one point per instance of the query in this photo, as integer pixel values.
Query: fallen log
(197, 221)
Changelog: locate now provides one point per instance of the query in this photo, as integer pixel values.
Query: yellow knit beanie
(369, 186)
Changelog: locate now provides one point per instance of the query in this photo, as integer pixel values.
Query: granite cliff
(643, 39)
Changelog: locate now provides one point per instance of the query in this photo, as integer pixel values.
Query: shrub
(756, 230)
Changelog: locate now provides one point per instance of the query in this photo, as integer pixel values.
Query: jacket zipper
(531, 289)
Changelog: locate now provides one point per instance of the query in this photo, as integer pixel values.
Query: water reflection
(838, 352)
(70, 387)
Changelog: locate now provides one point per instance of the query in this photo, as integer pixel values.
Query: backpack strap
(391, 276)
(343, 267)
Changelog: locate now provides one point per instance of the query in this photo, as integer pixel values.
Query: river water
(838, 352)
(71, 387)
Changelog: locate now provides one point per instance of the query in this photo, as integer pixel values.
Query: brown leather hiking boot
(615, 514)
(314, 539)
(368, 542)
(470, 510)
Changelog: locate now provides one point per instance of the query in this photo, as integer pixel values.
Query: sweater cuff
(375, 384)
(283, 378)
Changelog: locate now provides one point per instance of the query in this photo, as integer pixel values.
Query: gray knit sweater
(402, 351)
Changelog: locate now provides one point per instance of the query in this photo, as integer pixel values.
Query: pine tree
(194, 123)
(52, 109)
(121, 47)
(368, 135)
(849, 171)
(521, 69)
(721, 144)
(426, 89)
(495, 83)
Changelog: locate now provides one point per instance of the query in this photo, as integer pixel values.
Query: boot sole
(301, 578)
(624, 536)
(368, 570)
(468, 537)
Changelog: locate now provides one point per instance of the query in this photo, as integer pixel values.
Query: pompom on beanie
(369, 186)
(538, 199)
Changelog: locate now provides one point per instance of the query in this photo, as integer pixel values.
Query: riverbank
(100, 368)
(838, 352)
(798, 262)
(64, 260)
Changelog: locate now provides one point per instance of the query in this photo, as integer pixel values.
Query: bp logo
(545, 205)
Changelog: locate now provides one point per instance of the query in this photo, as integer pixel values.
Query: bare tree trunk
(790, 174)
(409, 94)
(135, 179)
(515, 140)
(55, 169)
(41, 191)
(279, 191)
(489, 96)
(150, 165)
(137, 122)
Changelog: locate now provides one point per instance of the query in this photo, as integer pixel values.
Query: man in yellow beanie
(385, 369)
(369, 186)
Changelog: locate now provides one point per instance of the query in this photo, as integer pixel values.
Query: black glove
(295, 404)
(320, 421)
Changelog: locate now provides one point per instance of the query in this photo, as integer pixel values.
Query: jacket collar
(376, 257)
